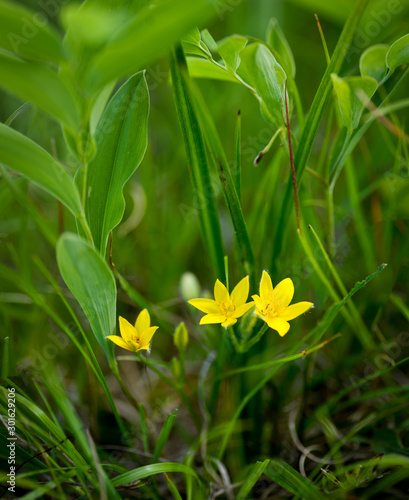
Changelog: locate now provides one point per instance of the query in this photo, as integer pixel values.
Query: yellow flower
(135, 338)
(273, 304)
(227, 307)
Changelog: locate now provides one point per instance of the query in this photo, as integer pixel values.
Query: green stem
(131, 398)
(237, 346)
(168, 381)
(85, 227)
(247, 346)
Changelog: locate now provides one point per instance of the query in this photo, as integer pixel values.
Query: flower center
(135, 339)
(272, 310)
(227, 308)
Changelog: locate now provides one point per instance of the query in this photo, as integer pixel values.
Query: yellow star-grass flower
(272, 305)
(135, 338)
(226, 308)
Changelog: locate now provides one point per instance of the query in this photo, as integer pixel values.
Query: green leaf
(229, 49)
(148, 36)
(260, 70)
(192, 44)
(36, 82)
(398, 53)
(91, 24)
(24, 156)
(197, 161)
(151, 470)
(353, 93)
(251, 479)
(373, 62)
(121, 140)
(203, 68)
(90, 280)
(291, 480)
(278, 42)
(22, 33)
(163, 436)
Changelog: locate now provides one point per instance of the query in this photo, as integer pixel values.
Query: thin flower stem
(174, 386)
(237, 346)
(255, 339)
(87, 231)
(131, 398)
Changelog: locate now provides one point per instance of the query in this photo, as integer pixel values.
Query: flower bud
(181, 337)
(189, 286)
(175, 368)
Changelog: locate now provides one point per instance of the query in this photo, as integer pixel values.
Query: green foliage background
(346, 402)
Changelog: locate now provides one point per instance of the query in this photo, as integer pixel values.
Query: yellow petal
(116, 339)
(220, 292)
(295, 310)
(259, 303)
(283, 293)
(229, 322)
(133, 346)
(127, 330)
(147, 335)
(266, 286)
(206, 305)
(143, 321)
(240, 292)
(210, 319)
(280, 325)
(242, 310)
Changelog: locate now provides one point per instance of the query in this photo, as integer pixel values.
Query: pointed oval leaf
(90, 280)
(121, 139)
(353, 93)
(146, 37)
(260, 70)
(24, 156)
(398, 53)
(278, 42)
(373, 62)
(25, 34)
(203, 68)
(229, 49)
(36, 82)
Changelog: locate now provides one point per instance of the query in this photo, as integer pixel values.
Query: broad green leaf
(149, 35)
(198, 164)
(90, 280)
(36, 82)
(23, 155)
(352, 94)
(373, 62)
(92, 24)
(229, 49)
(278, 42)
(398, 53)
(291, 480)
(251, 479)
(151, 470)
(24, 33)
(260, 70)
(203, 68)
(121, 139)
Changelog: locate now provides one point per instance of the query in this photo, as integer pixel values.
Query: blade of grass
(314, 118)
(197, 161)
(251, 479)
(163, 436)
(228, 185)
